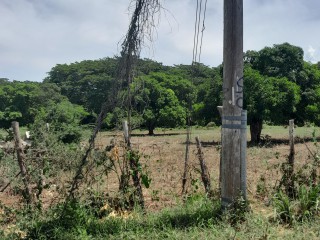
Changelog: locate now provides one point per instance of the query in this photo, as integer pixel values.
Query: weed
(283, 208)
(262, 189)
(155, 195)
(236, 212)
(308, 202)
(303, 208)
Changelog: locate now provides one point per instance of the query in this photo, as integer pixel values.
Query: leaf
(145, 180)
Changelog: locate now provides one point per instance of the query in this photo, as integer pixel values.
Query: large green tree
(85, 83)
(309, 81)
(281, 60)
(209, 96)
(286, 60)
(159, 106)
(268, 99)
(21, 101)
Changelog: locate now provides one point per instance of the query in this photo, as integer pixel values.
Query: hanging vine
(142, 26)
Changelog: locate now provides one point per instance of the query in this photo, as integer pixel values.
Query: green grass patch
(197, 218)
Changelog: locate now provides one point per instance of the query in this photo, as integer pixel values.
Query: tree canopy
(278, 85)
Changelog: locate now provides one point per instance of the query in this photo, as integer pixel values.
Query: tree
(181, 86)
(20, 101)
(158, 105)
(27, 101)
(309, 81)
(64, 119)
(268, 99)
(281, 60)
(209, 96)
(85, 83)
(312, 109)
(146, 66)
(198, 85)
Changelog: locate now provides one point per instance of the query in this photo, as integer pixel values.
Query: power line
(197, 43)
(198, 28)
(195, 55)
(195, 33)
(203, 27)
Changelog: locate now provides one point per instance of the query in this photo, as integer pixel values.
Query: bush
(211, 124)
(70, 134)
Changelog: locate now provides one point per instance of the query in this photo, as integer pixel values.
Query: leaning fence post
(205, 175)
(21, 161)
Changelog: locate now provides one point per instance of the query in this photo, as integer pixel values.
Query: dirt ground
(166, 155)
(164, 159)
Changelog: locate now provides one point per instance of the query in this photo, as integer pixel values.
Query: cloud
(311, 55)
(38, 34)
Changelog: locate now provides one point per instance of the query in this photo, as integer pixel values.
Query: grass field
(167, 215)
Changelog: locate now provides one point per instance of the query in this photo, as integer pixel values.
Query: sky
(35, 35)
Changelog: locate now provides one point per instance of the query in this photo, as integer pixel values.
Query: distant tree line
(278, 85)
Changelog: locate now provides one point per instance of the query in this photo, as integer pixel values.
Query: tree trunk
(151, 129)
(255, 131)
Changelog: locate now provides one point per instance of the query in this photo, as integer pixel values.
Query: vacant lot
(165, 156)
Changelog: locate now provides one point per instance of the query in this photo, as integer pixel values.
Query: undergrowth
(95, 215)
(196, 218)
(79, 221)
(302, 204)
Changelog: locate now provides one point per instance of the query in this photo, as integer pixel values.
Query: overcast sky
(38, 34)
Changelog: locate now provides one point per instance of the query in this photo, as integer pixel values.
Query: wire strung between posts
(195, 55)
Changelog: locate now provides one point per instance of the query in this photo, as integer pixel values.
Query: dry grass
(165, 154)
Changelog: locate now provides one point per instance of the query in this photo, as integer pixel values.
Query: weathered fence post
(291, 142)
(290, 168)
(205, 175)
(21, 162)
(125, 131)
(134, 165)
(186, 163)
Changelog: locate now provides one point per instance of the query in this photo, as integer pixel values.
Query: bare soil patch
(164, 157)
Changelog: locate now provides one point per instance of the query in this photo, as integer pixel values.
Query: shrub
(70, 134)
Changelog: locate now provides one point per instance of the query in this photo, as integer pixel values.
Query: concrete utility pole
(234, 118)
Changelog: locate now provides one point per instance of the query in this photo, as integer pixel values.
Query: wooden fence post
(290, 169)
(126, 131)
(134, 165)
(291, 142)
(205, 175)
(21, 162)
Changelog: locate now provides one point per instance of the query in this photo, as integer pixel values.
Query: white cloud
(38, 34)
(310, 56)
